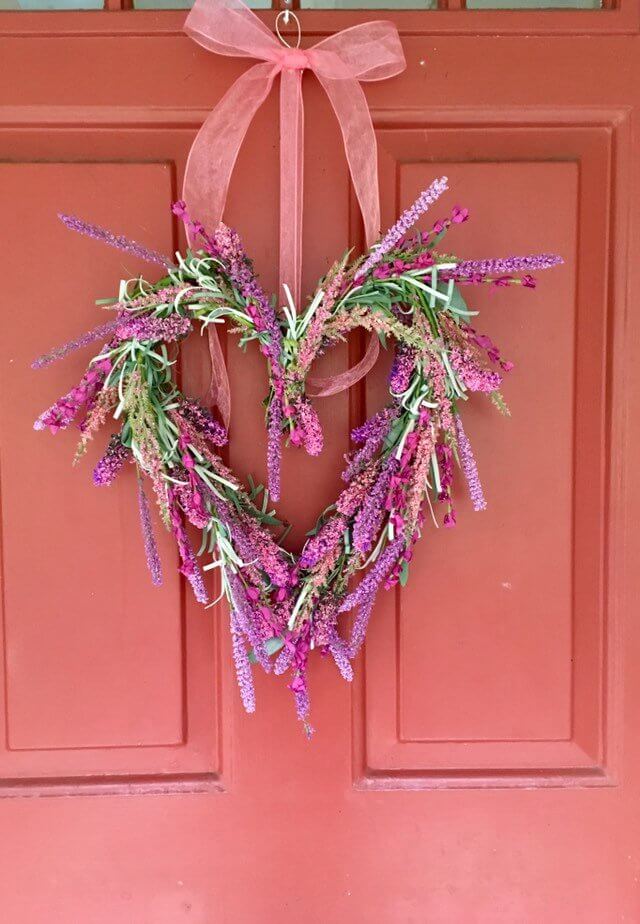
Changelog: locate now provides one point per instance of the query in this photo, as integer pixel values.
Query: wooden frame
(621, 19)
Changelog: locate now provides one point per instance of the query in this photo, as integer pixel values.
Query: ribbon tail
(291, 182)
(219, 388)
(215, 149)
(350, 106)
(334, 384)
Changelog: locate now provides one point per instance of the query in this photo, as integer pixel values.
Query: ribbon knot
(370, 51)
(294, 59)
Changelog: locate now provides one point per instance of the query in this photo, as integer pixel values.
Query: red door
(484, 766)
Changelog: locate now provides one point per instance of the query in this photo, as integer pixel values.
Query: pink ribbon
(334, 384)
(370, 51)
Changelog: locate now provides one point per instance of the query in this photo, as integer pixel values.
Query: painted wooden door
(484, 766)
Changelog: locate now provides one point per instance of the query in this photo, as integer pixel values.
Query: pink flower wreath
(404, 289)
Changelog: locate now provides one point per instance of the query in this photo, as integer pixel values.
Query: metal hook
(286, 16)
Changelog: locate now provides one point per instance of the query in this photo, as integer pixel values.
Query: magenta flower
(404, 362)
(189, 567)
(62, 413)
(458, 215)
(324, 541)
(112, 462)
(472, 374)
(202, 422)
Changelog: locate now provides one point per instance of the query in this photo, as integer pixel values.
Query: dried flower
(150, 547)
(145, 328)
(243, 668)
(408, 218)
(468, 464)
(102, 332)
(62, 413)
(112, 462)
(506, 266)
(323, 542)
(114, 240)
(368, 519)
(202, 421)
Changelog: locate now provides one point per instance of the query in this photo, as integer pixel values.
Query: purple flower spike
(468, 465)
(203, 422)
(324, 542)
(150, 547)
(364, 595)
(370, 516)
(102, 332)
(404, 363)
(374, 577)
(284, 660)
(189, 567)
(114, 240)
(274, 449)
(141, 328)
(247, 620)
(111, 463)
(408, 218)
(340, 655)
(243, 669)
(506, 266)
(62, 413)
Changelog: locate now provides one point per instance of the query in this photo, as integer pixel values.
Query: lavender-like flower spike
(341, 656)
(274, 449)
(111, 463)
(102, 332)
(374, 577)
(302, 708)
(369, 518)
(468, 465)
(408, 218)
(243, 668)
(150, 547)
(324, 542)
(245, 621)
(114, 240)
(144, 328)
(506, 266)
(189, 567)
(364, 595)
(284, 660)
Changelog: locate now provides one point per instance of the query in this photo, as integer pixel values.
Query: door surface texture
(484, 765)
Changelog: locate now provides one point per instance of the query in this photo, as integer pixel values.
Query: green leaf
(273, 644)
(457, 304)
(404, 573)
(457, 301)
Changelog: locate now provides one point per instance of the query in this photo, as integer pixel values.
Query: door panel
(484, 766)
(101, 668)
(487, 681)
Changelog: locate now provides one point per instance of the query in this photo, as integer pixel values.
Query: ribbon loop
(370, 51)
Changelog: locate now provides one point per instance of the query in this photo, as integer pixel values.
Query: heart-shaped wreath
(405, 290)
